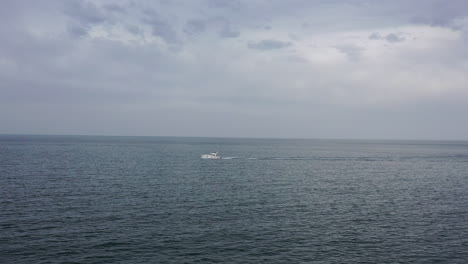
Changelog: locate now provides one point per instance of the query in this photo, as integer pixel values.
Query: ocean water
(83, 199)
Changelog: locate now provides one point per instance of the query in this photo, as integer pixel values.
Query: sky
(363, 69)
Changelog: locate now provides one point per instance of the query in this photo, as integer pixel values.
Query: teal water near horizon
(97, 199)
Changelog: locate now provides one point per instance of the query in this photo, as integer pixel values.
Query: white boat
(212, 155)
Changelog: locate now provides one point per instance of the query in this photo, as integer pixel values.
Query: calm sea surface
(76, 199)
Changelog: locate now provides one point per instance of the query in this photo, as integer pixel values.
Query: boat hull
(210, 156)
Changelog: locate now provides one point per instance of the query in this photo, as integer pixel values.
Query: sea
(104, 199)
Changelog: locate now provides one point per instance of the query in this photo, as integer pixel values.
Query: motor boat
(212, 155)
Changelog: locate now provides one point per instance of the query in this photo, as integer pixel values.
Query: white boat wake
(229, 158)
(214, 155)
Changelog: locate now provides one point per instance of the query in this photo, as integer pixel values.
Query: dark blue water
(72, 199)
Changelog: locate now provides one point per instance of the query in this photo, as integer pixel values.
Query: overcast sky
(393, 69)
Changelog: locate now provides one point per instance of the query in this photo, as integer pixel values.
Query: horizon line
(230, 137)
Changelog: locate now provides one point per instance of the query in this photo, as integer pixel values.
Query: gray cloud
(442, 13)
(433, 21)
(233, 5)
(160, 28)
(77, 30)
(353, 52)
(221, 25)
(227, 32)
(135, 30)
(391, 38)
(269, 44)
(194, 26)
(84, 12)
(84, 15)
(394, 38)
(114, 8)
(375, 36)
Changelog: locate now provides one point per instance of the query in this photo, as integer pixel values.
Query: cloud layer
(339, 69)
